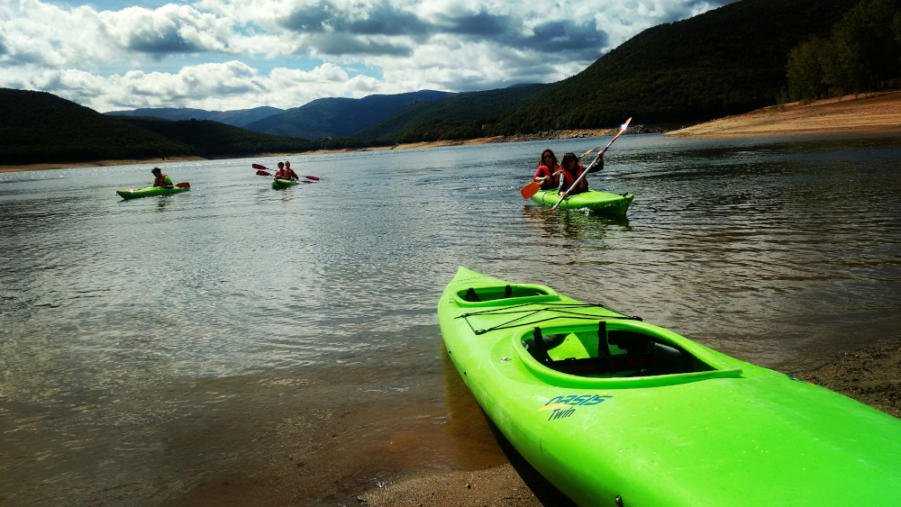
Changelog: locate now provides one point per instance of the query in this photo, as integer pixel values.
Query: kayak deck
(597, 201)
(279, 183)
(150, 191)
(605, 405)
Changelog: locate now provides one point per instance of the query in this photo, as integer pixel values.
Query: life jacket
(290, 174)
(551, 180)
(162, 180)
(569, 179)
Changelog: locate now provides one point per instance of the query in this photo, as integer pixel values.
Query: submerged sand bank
(866, 113)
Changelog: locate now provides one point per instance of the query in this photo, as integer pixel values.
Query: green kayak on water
(150, 191)
(279, 183)
(616, 411)
(597, 201)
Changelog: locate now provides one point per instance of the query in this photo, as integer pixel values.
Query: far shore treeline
(739, 57)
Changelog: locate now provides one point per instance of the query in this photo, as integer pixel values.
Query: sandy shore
(866, 113)
(871, 375)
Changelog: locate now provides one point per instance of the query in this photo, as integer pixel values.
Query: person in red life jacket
(547, 171)
(280, 173)
(289, 173)
(572, 169)
(160, 179)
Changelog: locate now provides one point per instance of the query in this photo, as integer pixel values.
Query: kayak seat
(538, 348)
(497, 295)
(619, 353)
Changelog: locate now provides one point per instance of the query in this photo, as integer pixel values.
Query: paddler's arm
(598, 166)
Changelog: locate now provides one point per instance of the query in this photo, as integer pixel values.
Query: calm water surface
(169, 348)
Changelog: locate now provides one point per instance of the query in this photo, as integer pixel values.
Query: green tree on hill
(862, 54)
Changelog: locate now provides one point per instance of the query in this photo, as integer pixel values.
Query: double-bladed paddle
(622, 129)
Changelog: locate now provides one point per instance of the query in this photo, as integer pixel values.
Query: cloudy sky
(234, 54)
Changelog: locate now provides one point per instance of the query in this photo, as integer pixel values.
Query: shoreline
(548, 135)
(43, 166)
(870, 113)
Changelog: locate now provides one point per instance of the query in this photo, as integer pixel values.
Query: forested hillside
(212, 139)
(461, 116)
(862, 53)
(728, 60)
(41, 127)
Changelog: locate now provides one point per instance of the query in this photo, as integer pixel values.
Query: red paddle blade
(311, 177)
(530, 189)
(258, 166)
(261, 172)
(183, 184)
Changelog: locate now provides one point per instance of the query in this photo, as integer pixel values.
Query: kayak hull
(279, 183)
(692, 427)
(150, 191)
(597, 201)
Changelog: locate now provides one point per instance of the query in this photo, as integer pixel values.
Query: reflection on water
(146, 344)
(573, 224)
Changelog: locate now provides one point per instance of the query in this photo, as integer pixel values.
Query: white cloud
(229, 54)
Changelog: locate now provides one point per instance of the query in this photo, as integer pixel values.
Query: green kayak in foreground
(600, 202)
(279, 183)
(616, 411)
(150, 191)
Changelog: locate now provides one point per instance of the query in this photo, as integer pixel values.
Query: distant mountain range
(725, 61)
(236, 118)
(340, 117)
(319, 119)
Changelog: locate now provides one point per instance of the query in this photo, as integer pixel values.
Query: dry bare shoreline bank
(864, 113)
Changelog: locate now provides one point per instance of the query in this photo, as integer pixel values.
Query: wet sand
(865, 113)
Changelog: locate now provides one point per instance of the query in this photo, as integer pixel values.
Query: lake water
(238, 342)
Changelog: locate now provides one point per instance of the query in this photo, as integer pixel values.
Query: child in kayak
(547, 170)
(572, 169)
(160, 179)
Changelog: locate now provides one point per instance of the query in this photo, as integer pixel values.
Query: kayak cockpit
(508, 294)
(613, 350)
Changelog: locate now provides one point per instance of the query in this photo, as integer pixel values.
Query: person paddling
(289, 173)
(547, 170)
(280, 173)
(160, 179)
(573, 168)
